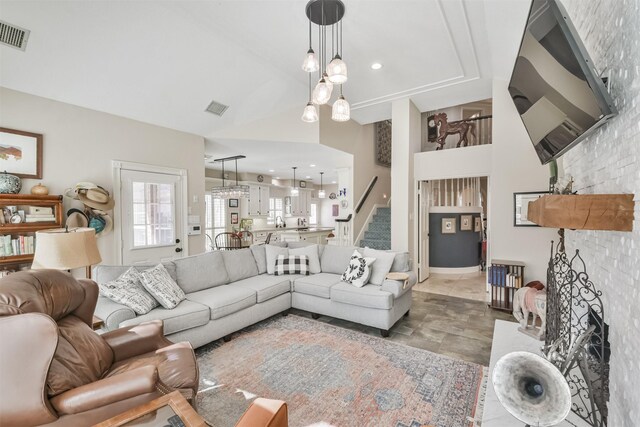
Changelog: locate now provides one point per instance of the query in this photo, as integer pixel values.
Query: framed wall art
(521, 207)
(233, 203)
(465, 222)
(448, 225)
(21, 153)
(234, 218)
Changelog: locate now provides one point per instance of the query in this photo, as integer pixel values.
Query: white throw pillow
(358, 271)
(382, 266)
(128, 290)
(311, 252)
(159, 283)
(272, 253)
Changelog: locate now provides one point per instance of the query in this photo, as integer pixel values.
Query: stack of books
(514, 281)
(21, 245)
(39, 214)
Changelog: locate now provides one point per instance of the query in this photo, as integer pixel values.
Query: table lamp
(66, 249)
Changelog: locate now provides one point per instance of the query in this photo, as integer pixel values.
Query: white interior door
(423, 215)
(151, 212)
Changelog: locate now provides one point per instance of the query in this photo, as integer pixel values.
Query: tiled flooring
(455, 327)
(468, 286)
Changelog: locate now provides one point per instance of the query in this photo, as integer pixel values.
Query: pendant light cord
(223, 173)
(236, 172)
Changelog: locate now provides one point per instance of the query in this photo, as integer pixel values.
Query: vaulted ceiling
(162, 62)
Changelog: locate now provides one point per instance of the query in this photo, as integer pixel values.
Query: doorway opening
(452, 237)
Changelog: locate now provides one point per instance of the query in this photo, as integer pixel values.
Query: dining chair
(228, 241)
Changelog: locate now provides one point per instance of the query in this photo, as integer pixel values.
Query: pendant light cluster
(326, 14)
(230, 191)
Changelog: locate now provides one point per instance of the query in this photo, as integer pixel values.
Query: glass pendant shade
(310, 113)
(310, 63)
(294, 191)
(341, 112)
(322, 92)
(321, 194)
(337, 70)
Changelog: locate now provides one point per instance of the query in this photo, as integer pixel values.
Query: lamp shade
(341, 110)
(62, 249)
(337, 70)
(322, 92)
(310, 63)
(310, 114)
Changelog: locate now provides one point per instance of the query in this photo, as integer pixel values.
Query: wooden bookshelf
(503, 285)
(22, 202)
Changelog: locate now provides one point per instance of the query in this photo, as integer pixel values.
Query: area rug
(334, 376)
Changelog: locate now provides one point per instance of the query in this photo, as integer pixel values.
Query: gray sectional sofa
(230, 290)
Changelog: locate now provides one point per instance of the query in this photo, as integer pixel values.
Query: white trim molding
(459, 270)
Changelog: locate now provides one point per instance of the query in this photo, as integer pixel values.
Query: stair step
(377, 235)
(376, 244)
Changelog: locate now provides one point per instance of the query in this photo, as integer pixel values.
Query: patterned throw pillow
(358, 271)
(292, 264)
(159, 283)
(128, 290)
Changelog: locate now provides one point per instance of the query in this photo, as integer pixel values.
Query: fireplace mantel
(613, 212)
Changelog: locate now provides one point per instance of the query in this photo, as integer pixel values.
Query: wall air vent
(13, 36)
(217, 108)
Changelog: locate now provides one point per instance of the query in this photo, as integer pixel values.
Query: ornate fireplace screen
(576, 339)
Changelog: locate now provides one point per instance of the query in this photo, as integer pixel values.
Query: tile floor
(468, 286)
(456, 327)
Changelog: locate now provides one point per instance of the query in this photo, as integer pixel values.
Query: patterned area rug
(334, 376)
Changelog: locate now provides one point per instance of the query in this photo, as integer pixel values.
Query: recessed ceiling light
(271, 170)
(312, 166)
(376, 66)
(334, 182)
(307, 177)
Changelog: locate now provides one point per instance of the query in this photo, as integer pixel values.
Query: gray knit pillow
(158, 282)
(127, 290)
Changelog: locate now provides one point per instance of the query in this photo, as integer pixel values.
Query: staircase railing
(366, 194)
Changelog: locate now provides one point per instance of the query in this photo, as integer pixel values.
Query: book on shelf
(39, 218)
(40, 210)
(21, 245)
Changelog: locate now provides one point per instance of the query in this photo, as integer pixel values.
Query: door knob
(178, 249)
(177, 240)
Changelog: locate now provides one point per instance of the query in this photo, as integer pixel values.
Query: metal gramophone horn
(532, 389)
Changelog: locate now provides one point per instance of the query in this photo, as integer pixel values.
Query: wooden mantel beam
(613, 212)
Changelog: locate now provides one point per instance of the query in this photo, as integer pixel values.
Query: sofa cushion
(204, 271)
(400, 262)
(359, 270)
(186, 315)
(335, 259)
(381, 266)
(318, 284)
(161, 285)
(128, 290)
(369, 296)
(272, 253)
(312, 253)
(107, 273)
(266, 286)
(224, 300)
(260, 255)
(240, 264)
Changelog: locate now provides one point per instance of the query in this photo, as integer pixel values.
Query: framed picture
(234, 218)
(521, 207)
(448, 225)
(303, 184)
(466, 222)
(21, 153)
(233, 203)
(478, 225)
(335, 210)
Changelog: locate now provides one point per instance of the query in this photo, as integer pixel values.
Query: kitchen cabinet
(258, 201)
(300, 205)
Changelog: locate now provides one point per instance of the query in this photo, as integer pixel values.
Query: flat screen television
(554, 85)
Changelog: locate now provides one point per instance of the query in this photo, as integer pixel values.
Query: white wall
(609, 162)
(458, 163)
(405, 142)
(515, 168)
(79, 145)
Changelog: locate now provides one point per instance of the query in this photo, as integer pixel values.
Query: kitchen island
(308, 234)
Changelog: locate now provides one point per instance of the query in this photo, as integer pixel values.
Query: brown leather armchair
(55, 370)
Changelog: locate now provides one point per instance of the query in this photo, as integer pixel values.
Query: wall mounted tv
(554, 85)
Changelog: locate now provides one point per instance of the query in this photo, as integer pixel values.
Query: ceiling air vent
(217, 108)
(13, 36)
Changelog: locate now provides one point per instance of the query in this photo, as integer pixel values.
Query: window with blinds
(215, 218)
(276, 209)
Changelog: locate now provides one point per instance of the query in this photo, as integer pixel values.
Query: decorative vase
(9, 184)
(39, 190)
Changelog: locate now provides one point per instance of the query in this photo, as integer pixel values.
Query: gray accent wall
(457, 250)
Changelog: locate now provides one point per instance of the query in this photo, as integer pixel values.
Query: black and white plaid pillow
(292, 264)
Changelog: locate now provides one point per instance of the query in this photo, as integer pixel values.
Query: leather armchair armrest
(134, 340)
(27, 345)
(398, 287)
(107, 391)
(265, 413)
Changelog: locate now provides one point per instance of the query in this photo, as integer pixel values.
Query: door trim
(117, 167)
